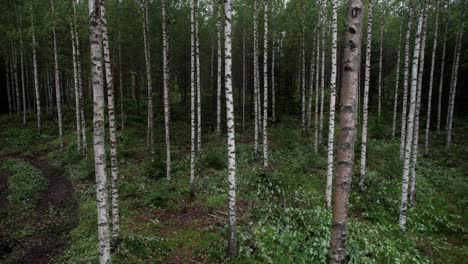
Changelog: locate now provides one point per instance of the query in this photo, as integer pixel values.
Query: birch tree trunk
(99, 131)
(379, 102)
(232, 240)
(453, 88)
(58, 93)
(150, 129)
(365, 101)
(322, 76)
(397, 83)
(192, 99)
(112, 128)
(36, 81)
(414, 157)
(348, 131)
(256, 77)
(167, 110)
(410, 124)
(197, 53)
(317, 83)
(218, 90)
(265, 88)
(75, 85)
(404, 107)
(441, 81)
(311, 91)
(431, 82)
(331, 123)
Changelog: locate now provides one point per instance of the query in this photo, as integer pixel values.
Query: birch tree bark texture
(348, 130)
(232, 240)
(99, 130)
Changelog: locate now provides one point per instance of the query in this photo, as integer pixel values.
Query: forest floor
(281, 214)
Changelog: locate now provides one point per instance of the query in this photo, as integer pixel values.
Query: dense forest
(243, 131)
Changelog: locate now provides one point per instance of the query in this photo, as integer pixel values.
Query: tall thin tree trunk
(379, 101)
(317, 83)
(431, 82)
(303, 78)
(36, 81)
(219, 79)
(441, 81)
(404, 107)
(331, 124)
(23, 88)
(150, 129)
(166, 79)
(453, 88)
(197, 54)
(232, 240)
(414, 157)
(348, 131)
(58, 93)
(99, 131)
(311, 90)
(112, 128)
(192, 99)
(410, 124)
(256, 77)
(397, 83)
(365, 101)
(265, 88)
(322, 77)
(76, 89)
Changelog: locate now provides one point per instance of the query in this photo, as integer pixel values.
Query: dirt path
(42, 235)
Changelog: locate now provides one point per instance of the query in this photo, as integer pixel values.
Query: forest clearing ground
(42, 234)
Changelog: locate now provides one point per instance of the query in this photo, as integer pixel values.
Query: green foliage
(25, 184)
(214, 159)
(154, 167)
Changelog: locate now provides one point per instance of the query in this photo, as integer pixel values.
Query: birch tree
(265, 88)
(348, 131)
(58, 94)
(219, 79)
(404, 107)
(149, 82)
(197, 54)
(23, 88)
(397, 83)
(99, 130)
(192, 99)
(331, 123)
(379, 101)
(167, 112)
(322, 74)
(365, 101)
(453, 86)
(112, 127)
(232, 240)
(317, 83)
(36, 79)
(256, 77)
(431, 82)
(75, 85)
(410, 124)
(414, 157)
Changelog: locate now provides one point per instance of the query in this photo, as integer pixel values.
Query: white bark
(431, 82)
(414, 157)
(365, 101)
(265, 88)
(331, 124)
(410, 126)
(232, 240)
(58, 93)
(379, 101)
(256, 77)
(75, 86)
(149, 82)
(397, 83)
(218, 88)
(404, 107)
(192, 99)
(99, 131)
(197, 53)
(453, 87)
(167, 110)
(112, 127)
(36, 81)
